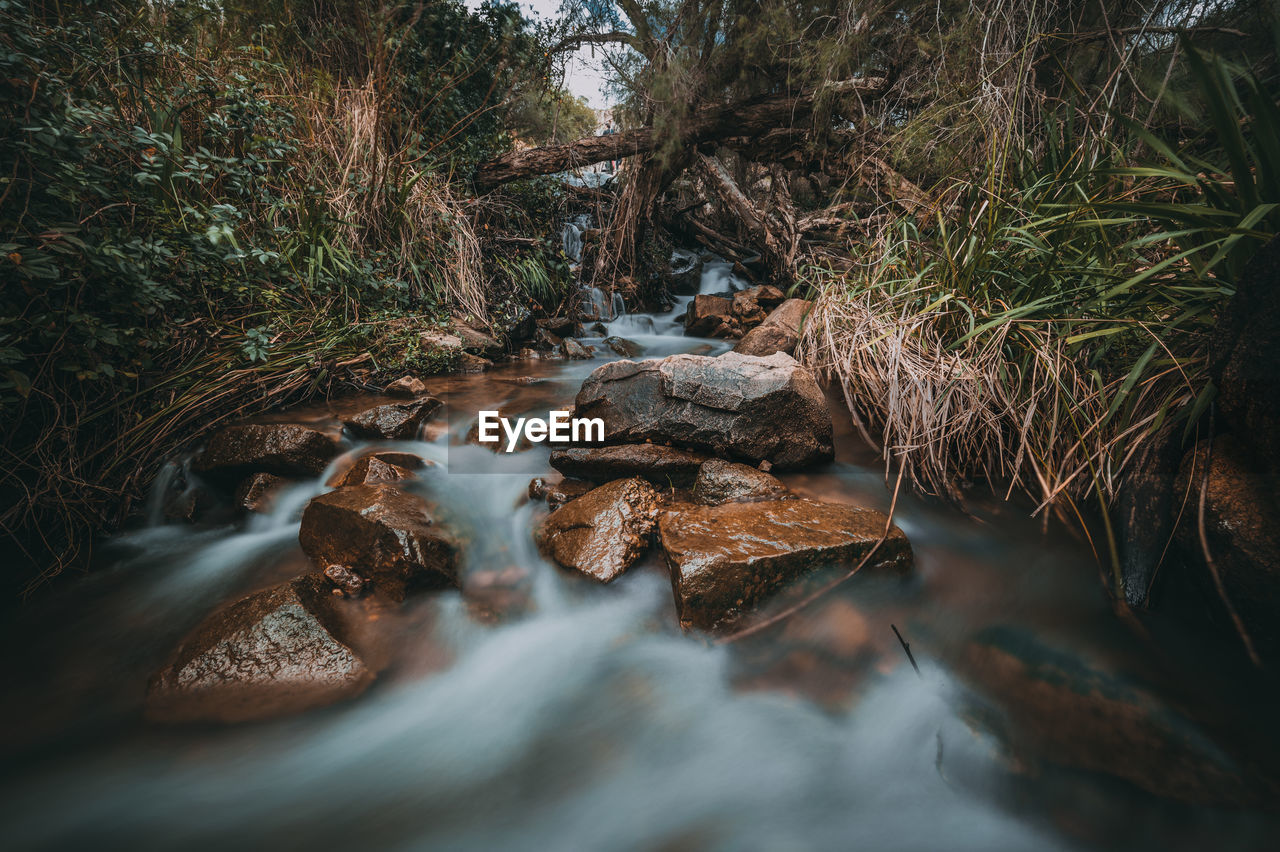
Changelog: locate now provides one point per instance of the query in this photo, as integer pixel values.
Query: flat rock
(779, 332)
(661, 465)
(721, 481)
(396, 421)
(603, 532)
(726, 560)
(269, 654)
(734, 406)
(285, 449)
(385, 535)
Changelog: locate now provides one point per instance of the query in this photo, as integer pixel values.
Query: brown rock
(558, 493)
(559, 326)
(725, 560)
(663, 466)
(383, 534)
(779, 332)
(468, 363)
(625, 348)
(475, 340)
(406, 386)
(571, 348)
(706, 314)
(254, 493)
(603, 532)
(371, 469)
(396, 421)
(286, 449)
(746, 310)
(269, 654)
(345, 580)
(733, 406)
(721, 481)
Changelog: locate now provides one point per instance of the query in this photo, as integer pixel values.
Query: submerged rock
(385, 535)
(738, 406)
(663, 466)
(779, 332)
(255, 492)
(721, 481)
(725, 560)
(269, 654)
(285, 449)
(603, 532)
(406, 386)
(396, 421)
(1078, 712)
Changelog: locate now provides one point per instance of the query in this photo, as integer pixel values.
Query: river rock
(709, 316)
(368, 470)
(385, 535)
(558, 493)
(1077, 711)
(746, 309)
(254, 493)
(408, 386)
(735, 406)
(285, 449)
(475, 340)
(469, 363)
(547, 340)
(559, 326)
(571, 348)
(603, 532)
(663, 466)
(269, 654)
(725, 560)
(722, 481)
(686, 273)
(396, 421)
(779, 332)
(625, 348)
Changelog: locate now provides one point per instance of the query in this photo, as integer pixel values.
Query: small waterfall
(595, 306)
(571, 236)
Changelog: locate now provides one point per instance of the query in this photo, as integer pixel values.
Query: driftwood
(750, 117)
(776, 235)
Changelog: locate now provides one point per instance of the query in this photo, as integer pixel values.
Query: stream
(571, 715)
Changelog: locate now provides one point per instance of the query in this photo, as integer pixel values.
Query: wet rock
(396, 421)
(625, 348)
(779, 332)
(475, 340)
(686, 273)
(368, 470)
(726, 560)
(385, 535)
(559, 326)
(571, 348)
(407, 386)
(254, 493)
(409, 461)
(746, 310)
(734, 406)
(285, 449)
(345, 580)
(1241, 515)
(722, 481)
(500, 446)
(1079, 712)
(603, 532)
(558, 493)
(545, 339)
(663, 466)
(468, 363)
(708, 316)
(269, 654)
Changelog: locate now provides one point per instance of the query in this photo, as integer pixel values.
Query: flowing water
(584, 718)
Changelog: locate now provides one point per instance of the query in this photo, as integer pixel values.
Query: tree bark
(778, 242)
(720, 121)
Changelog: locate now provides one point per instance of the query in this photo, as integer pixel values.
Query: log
(719, 121)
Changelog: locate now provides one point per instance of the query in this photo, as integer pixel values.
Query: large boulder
(710, 316)
(396, 421)
(385, 535)
(779, 332)
(663, 466)
(726, 560)
(603, 532)
(721, 481)
(738, 406)
(269, 654)
(285, 449)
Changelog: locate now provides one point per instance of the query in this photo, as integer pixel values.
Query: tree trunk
(720, 121)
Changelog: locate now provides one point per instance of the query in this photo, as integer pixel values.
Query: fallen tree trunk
(776, 238)
(721, 121)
